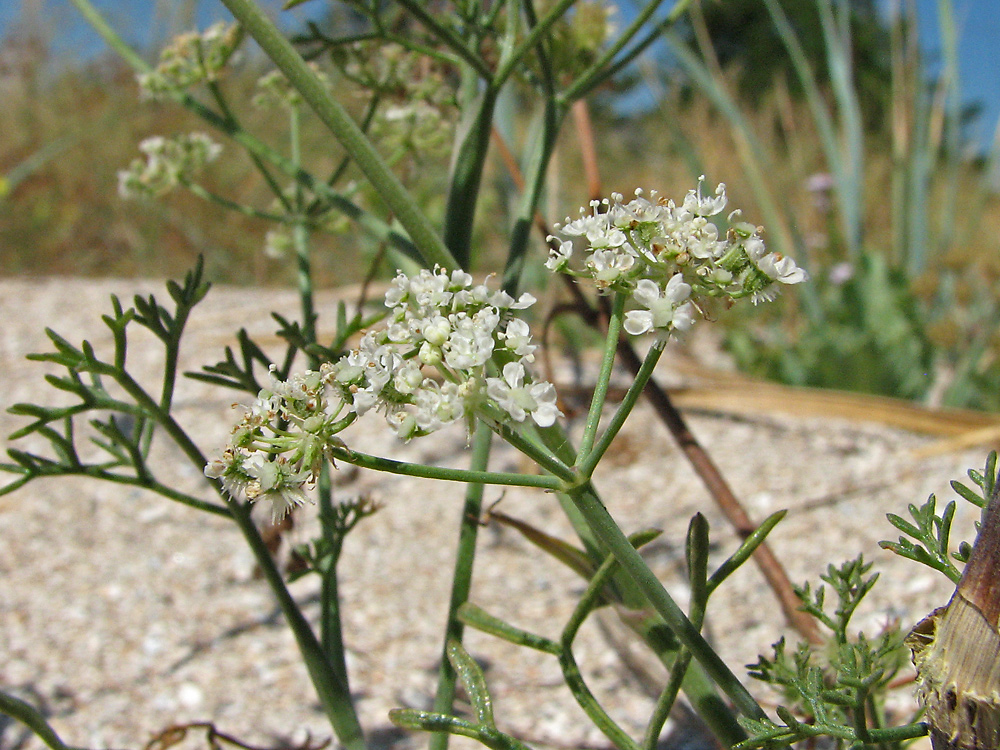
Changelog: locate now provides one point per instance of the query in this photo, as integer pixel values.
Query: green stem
(603, 378)
(590, 461)
(532, 449)
(533, 37)
(467, 175)
(586, 81)
(110, 37)
(592, 597)
(234, 123)
(333, 693)
(331, 635)
(300, 240)
(239, 208)
(446, 35)
(377, 463)
(339, 122)
(461, 580)
(605, 528)
(535, 174)
(177, 496)
(476, 617)
(33, 719)
(665, 701)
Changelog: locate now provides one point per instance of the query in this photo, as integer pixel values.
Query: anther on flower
(668, 258)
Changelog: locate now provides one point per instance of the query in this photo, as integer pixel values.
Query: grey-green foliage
(836, 690)
(929, 532)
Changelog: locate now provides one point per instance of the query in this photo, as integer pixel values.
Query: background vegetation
(820, 117)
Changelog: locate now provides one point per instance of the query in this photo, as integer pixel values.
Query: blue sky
(978, 26)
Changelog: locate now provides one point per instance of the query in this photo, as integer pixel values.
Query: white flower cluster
(168, 162)
(419, 113)
(666, 256)
(440, 321)
(190, 59)
(440, 324)
(280, 445)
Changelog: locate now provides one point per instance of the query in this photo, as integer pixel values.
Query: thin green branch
(531, 39)
(589, 462)
(234, 123)
(33, 719)
(377, 463)
(448, 36)
(239, 208)
(600, 396)
(586, 81)
(652, 35)
(461, 580)
(375, 228)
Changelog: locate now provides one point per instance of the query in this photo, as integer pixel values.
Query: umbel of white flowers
(435, 360)
(425, 369)
(168, 162)
(667, 256)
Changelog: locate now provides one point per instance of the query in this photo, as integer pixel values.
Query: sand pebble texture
(122, 613)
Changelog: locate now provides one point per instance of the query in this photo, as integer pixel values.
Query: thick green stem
(461, 581)
(605, 528)
(535, 173)
(339, 122)
(467, 176)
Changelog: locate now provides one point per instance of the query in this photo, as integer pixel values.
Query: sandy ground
(123, 613)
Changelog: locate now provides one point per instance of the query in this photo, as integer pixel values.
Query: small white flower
(437, 406)
(664, 312)
(519, 400)
(408, 378)
(517, 337)
(782, 268)
(559, 255)
(275, 481)
(609, 266)
(471, 342)
(436, 330)
(701, 205)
